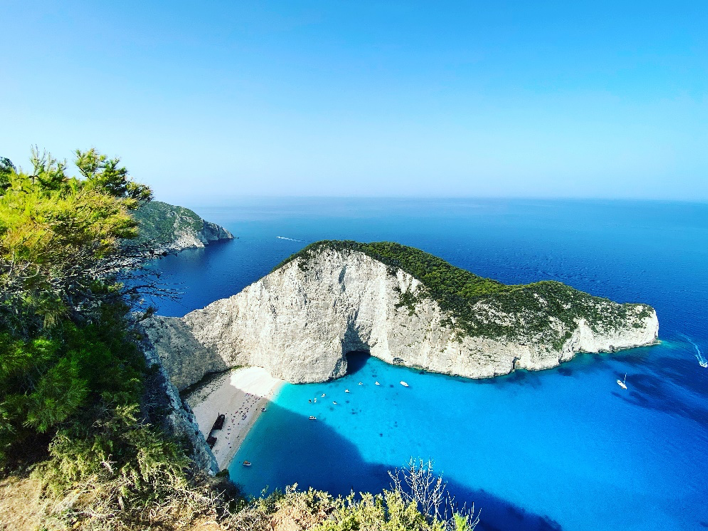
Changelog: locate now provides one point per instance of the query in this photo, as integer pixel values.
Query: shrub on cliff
(63, 337)
(71, 374)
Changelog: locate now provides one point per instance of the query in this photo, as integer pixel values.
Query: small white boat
(404, 384)
(263, 409)
(334, 402)
(377, 383)
(623, 383)
(346, 390)
(699, 355)
(312, 417)
(246, 463)
(360, 383)
(315, 400)
(323, 395)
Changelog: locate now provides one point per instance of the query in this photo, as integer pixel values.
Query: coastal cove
(566, 445)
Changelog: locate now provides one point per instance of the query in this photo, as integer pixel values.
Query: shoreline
(239, 394)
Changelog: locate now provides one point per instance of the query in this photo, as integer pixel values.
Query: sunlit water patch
(567, 446)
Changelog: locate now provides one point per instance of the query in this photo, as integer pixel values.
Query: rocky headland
(170, 228)
(400, 304)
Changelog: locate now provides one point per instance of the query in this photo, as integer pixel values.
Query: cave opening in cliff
(356, 360)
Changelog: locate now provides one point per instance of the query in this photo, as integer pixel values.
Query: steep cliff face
(301, 320)
(173, 228)
(179, 420)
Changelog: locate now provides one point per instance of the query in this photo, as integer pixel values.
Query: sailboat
(623, 383)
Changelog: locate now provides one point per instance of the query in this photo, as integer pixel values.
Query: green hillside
(467, 297)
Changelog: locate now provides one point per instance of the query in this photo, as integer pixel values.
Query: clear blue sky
(209, 100)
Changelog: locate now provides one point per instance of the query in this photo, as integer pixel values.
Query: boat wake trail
(699, 356)
(289, 239)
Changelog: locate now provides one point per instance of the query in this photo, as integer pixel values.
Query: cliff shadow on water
(356, 360)
(312, 454)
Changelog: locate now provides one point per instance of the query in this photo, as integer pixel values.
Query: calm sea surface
(559, 449)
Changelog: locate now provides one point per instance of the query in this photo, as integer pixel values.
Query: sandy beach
(240, 395)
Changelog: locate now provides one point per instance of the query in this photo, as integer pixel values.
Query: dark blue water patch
(356, 361)
(650, 392)
(355, 474)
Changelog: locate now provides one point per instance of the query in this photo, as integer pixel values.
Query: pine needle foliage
(64, 338)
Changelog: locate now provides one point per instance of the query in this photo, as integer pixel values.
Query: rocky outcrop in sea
(169, 228)
(301, 320)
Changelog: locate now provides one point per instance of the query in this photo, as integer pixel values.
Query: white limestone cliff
(301, 320)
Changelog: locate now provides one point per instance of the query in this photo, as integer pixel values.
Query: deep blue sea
(560, 449)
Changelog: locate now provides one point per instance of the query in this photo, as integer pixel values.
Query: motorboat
(346, 390)
(377, 383)
(404, 384)
(312, 417)
(246, 463)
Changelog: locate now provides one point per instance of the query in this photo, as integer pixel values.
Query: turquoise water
(558, 449)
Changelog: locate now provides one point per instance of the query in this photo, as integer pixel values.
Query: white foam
(699, 356)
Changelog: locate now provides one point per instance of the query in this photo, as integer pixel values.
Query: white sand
(239, 394)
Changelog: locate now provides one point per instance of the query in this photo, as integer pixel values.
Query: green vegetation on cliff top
(160, 222)
(526, 308)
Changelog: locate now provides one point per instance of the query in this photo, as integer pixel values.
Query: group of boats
(314, 400)
(622, 383)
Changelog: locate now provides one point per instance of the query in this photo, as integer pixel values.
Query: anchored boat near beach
(623, 383)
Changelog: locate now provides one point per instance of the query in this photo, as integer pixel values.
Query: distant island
(402, 305)
(170, 228)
